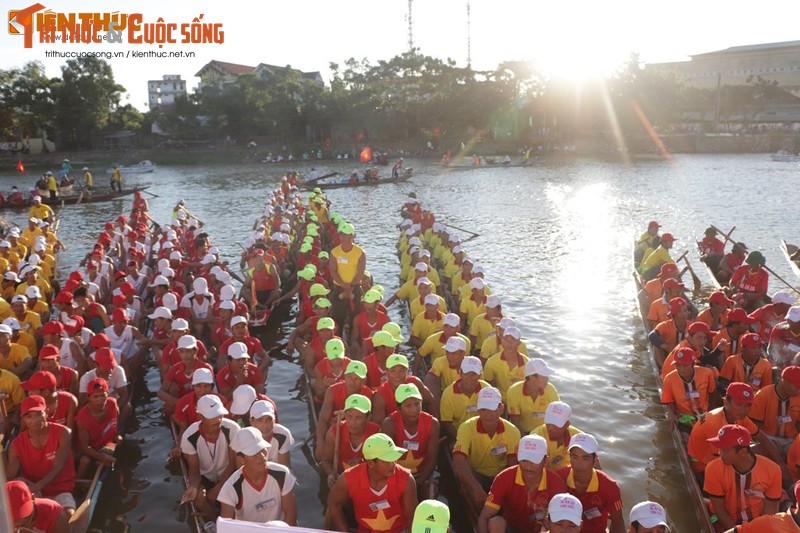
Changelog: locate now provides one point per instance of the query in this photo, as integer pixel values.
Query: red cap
(52, 328)
(685, 356)
(104, 238)
(739, 315)
(42, 380)
(731, 435)
(122, 218)
(667, 237)
(119, 275)
(63, 297)
(672, 284)
(740, 393)
(127, 288)
(653, 224)
(21, 500)
(676, 304)
(33, 403)
(791, 374)
(700, 327)
(100, 340)
(119, 300)
(133, 235)
(720, 297)
(96, 385)
(109, 225)
(120, 315)
(70, 285)
(667, 270)
(105, 359)
(75, 324)
(48, 351)
(76, 275)
(750, 340)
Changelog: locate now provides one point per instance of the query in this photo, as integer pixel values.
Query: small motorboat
(142, 167)
(784, 156)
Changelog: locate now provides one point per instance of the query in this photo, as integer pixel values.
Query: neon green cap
(324, 303)
(305, 248)
(396, 359)
(334, 349)
(306, 274)
(313, 218)
(406, 391)
(431, 516)
(395, 330)
(380, 446)
(367, 274)
(347, 229)
(359, 402)
(317, 190)
(379, 288)
(358, 368)
(318, 289)
(383, 338)
(371, 297)
(312, 231)
(319, 200)
(324, 255)
(308, 239)
(326, 322)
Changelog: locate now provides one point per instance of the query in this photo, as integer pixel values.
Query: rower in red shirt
(178, 381)
(170, 355)
(97, 427)
(784, 340)
(750, 282)
(367, 322)
(384, 401)
(186, 408)
(61, 405)
(35, 514)
(731, 261)
(255, 350)
(331, 369)
(711, 249)
(336, 395)
(384, 345)
(353, 429)
(239, 371)
(770, 315)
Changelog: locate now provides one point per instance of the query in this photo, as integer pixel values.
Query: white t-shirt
(116, 380)
(213, 456)
(256, 504)
(282, 441)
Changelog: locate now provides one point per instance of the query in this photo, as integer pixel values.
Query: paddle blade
(366, 155)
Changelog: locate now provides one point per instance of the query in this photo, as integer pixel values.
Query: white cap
(506, 323)
(167, 245)
(431, 299)
(175, 255)
(11, 276)
(160, 312)
(215, 270)
(19, 298)
(513, 331)
(793, 315)
(33, 292)
(585, 442)
(649, 514)
(455, 344)
(248, 441)
(422, 267)
(202, 375)
(405, 223)
(5, 244)
(493, 300)
(34, 259)
(409, 232)
(237, 350)
(40, 247)
(471, 364)
(200, 286)
(424, 253)
(262, 408)
(452, 320)
(532, 448)
(167, 272)
(210, 406)
(243, 398)
(248, 242)
(227, 304)
(780, 297)
(413, 250)
(489, 398)
(565, 507)
(477, 269)
(538, 367)
(187, 342)
(170, 301)
(5, 329)
(476, 283)
(558, 414)
(423, 280)
(13, 323)
(208, 259)
(238, 320)
(160, 280)
(455, 238)
(227, 292)
(213, 250)
(179, 324)
(38, 198)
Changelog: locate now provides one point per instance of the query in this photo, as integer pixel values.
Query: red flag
(21, 167)
(366, 155)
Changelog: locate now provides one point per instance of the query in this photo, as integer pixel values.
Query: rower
(731, 261)
(483, 325)
(425, 287)
(66, 377)
(354, 382)
(648, 517)
(472, 303)
(239, 371)
(770, 315)
(645, 242)
(776, 409)
(750, 281)
(383, 494)
(170, 355)
(348, 262)
(738, 467)
(331, 369)
(507, 367)
(667, 334)
(28, 320)
(784, 521)
(38, 209)
(711, 249)
(62, 406)
(687, 389)
(367, 322)
(749, 366)
(521, 492)
(429, 321)
(255, 350)
(527, 400)
(97, 428)
(383, 346)
(784, 340)
(459, 400)
(433, 347)
(494, 343)
(261, 490)
(185, 413)
(352, 430)
(716, 314)
(564, 514)
(445, 370)
(205, 446)
(384, 400)
(558, 431)
(30, 513)
(14, 357)
(417, 431)
(486, 445)
(431, 516)
(659, 309)
(42, 455)
(651, 264)
(178, 380)
(262, 417)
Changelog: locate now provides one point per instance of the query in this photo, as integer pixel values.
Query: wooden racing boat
(84, 198)
(693, 488)
(344, 183)
(789, 250)
(487, 165)
(711, 273)
(80, 520)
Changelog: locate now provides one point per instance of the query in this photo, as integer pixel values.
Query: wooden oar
(768, 269)
(328, 175)
(462, 229)
(695, 280)
(336, 442)
(726, 236)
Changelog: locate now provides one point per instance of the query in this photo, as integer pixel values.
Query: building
(163, 93)
(740, 65)
(221, 75)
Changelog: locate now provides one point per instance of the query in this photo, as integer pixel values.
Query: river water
(555, 242)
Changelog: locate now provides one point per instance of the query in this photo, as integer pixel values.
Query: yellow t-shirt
(30, 323)
(17, 355)
(28, 341)
(5, 309)
(434, 346)
(480, 328)
(418, 307)
(43, 284)
(490, 347)
(447, 376)
(41, 212)
(456, 406)
(530, 411)
(497, 371)
(487, 455)
(557, 454)
(422, 328)
(658, 257)
(10, 383)
(347, 262)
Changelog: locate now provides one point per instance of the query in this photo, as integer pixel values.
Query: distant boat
(84, 198)
(345, 183)
(142, 167)
(785, 157)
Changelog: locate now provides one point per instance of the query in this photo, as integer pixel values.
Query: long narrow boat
(75, 198)
(487, 165)
(711, 273)
(692, 486)
(789, 250)
(309, 185)
(80, 520)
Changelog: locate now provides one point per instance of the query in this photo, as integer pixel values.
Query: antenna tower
(469, 41)
(410, 28)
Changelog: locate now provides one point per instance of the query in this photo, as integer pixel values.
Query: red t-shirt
(252, 343)
(387, 392)
(364, 501)
(350, 454)
(375, 374)
(365, 329)
(104, 430)
(170, 356)
(417, 445)
(64, 400)
(339, 394)
(748, 281)
(600, 500)
(47, 514)
(38, 462)
(523, 511)
(226, 380)
(68, 377)
(177, 374)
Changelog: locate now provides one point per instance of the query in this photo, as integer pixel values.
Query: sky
(568, 38)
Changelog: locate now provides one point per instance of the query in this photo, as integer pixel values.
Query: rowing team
(717, 367)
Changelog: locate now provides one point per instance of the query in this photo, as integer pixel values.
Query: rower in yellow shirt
(557, 431)
(528, 400)
(40, 210)
(459, 400)
(433, 347)
(29, 234)
(651, 264)
(645, 241)
(507, 367)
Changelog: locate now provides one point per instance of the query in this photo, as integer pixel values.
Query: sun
(577, 62)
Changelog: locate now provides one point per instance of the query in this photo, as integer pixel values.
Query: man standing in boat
(116, 179)
(347, 269)
(397, 168)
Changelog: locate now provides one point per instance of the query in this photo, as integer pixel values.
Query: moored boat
(783, 156)
(342, 183)
(712, 273)
(142, 167)
(789, 250)
(83, 198)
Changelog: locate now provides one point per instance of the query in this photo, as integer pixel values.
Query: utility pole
(410, 28)
(469, 42)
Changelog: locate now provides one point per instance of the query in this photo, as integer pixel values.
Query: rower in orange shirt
(697, 336)
(687, 389)
(653, 289)
(659, 310)
(716, 314)
(776, 408)
(749, 366)
(738, 325)
(667, 334)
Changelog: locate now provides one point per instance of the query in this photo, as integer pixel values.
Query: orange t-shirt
(793, 458)
(690, 398)
(669, 362)
(733, 347)
(659, 311)
(744, 493)
(669, 332)
(700, 451)
(757, 376)
(705, 317)
(654, 289)
(774, 523)
(778, 417)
